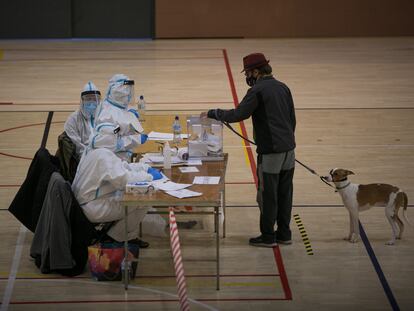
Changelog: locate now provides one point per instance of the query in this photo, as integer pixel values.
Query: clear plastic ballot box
(205, 138)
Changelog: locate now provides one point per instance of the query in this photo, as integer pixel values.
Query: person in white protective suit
(80, 123)
(100, 183)
(114, 109)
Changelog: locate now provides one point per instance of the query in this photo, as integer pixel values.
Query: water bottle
(141, 108)
(167, 156)
(176, 130)
(128, 270)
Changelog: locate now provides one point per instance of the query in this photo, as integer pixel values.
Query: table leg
(217, 214)
(126, 250)
(224, 210)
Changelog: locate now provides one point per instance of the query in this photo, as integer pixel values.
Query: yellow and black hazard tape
(304, 235)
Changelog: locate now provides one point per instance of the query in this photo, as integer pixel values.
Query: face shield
(121, 91)
(130, 90)
(89, 102)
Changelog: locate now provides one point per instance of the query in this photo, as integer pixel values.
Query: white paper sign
(206, 180)
(194, 162)
(171, 186)
(188, 169)
(183, 193)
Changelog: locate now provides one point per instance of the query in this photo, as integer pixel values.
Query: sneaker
(284, 242)
(259, 241)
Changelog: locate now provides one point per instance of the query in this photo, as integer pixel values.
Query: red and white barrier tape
(178, 262)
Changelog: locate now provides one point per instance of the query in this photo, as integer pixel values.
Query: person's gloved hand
(119, 144)
(154, 173)
(144, 138)
(134, 112)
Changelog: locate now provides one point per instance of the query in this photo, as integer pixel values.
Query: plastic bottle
(123, 269)
(167, 156)
(141, 108)
(176, 130)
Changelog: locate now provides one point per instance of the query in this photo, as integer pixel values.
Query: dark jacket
(63, 233)
(27, 204)
(68, 158)
(270, 104)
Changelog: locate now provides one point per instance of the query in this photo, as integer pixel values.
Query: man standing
(270, 104)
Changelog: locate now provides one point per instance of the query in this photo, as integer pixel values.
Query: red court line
(283, 276)
(243, 128)
(15, 156)
(6, 103)
(278, 258)
(28, 125)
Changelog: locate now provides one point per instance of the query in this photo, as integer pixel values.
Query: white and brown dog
(358, 198)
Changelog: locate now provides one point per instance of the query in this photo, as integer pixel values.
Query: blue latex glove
(134, 112)
(119, 144)
(144, 138)
(155, 173)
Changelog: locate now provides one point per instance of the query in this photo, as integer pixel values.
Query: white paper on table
(194, 162)
(188, 169)
(183, 193)
(163, 136)
(160, 159)
(171, 186)
(206, 180)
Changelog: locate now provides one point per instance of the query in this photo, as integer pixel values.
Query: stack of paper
(183, 193)
(206, 180)
(188, 169)
(169, 185)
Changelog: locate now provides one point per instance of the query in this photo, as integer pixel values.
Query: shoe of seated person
(261, 242)
(141, 243)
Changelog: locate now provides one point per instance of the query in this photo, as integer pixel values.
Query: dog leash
(312, 171)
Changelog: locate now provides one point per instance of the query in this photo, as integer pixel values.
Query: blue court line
(381, 276)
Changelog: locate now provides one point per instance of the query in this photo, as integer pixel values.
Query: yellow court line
(246, 156)
(304, 235)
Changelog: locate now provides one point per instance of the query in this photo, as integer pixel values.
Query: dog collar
(340, 188)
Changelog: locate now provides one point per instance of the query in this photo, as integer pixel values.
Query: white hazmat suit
(100, 182)
(114, 109)
(80, 123)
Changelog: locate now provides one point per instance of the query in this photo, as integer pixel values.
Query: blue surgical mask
(90, 108)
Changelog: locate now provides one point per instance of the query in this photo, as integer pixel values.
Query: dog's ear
(348, 172)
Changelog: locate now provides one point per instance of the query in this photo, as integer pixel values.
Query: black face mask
(251, 80)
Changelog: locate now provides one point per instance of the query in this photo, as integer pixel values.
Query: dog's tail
(403, 201)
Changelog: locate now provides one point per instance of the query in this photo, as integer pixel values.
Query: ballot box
(205, 138)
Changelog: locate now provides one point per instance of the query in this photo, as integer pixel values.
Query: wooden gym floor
(354, 101)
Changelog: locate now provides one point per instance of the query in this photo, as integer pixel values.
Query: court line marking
(113, 285)
(378, 270)
(159, 292)
(304, 235)
(35, 276)
(103, 59)
(14, 268)
(276, 250)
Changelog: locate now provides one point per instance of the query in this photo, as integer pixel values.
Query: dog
(358, 198)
